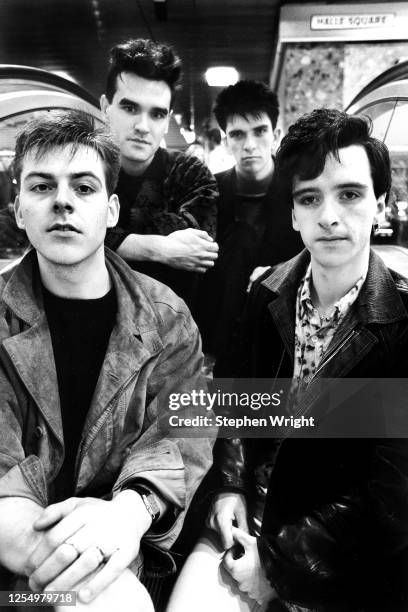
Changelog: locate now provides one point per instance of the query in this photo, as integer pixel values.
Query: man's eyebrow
(51, 177)
(235, 131)
(161, 109)
(127, 102)
(352, 185)
(43, 175)
(85, 174)
(299, 192)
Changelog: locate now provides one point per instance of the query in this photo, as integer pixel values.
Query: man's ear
(113, 211)
(277, 132)
(380, 213)
(17, 212)
(295, 224)
(104, 102)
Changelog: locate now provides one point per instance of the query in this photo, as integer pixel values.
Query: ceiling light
(221, 76)
(64, 75)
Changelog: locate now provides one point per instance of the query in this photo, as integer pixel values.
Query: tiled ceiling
(74, 36)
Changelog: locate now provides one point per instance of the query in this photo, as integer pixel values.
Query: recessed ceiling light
(221, 76)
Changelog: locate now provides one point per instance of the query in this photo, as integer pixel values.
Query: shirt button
(39, 432)
(315, 339)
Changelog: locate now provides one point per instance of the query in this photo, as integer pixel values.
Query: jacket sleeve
(339, 553)
(174, 466)
(233, 456)
(21, 475)
(191, 195)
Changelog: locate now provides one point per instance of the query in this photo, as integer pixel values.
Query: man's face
(251, 140)
(139, 117)
(63, 205)
(335, 211)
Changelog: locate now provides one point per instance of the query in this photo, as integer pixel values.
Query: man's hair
(246, 98)
(146, 59)
(304, 149)
(72, 129)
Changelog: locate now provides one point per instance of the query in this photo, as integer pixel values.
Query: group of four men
(91, 349)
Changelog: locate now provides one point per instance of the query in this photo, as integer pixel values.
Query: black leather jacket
(335, 525)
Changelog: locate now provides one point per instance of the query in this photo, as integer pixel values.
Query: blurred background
(353, 56)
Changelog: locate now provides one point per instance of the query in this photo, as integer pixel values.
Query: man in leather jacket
(90, 351)
(333, 534)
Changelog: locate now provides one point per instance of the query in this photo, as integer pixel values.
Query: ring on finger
(78, 552)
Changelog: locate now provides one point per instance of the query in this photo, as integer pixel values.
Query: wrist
(141, 247)
(131, 501)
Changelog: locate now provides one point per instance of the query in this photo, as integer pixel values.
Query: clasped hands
(87, 537)
(246, 568)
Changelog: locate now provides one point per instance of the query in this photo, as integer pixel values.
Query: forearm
(17, 537)
(141, 247)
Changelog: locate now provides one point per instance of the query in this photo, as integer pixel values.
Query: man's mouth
(331, 238)
(63, 227)
(139, 141)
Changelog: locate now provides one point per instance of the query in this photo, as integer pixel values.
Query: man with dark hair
(254, 229)
(167, 219)
(90, 351)
(333, 526)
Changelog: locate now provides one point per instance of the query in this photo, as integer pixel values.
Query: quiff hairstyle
(146, 59)
(68, 129)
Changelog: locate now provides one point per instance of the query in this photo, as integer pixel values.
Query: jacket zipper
(334, 350)
(83, 449)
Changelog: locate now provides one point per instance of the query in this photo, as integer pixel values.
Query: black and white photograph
(203, 306)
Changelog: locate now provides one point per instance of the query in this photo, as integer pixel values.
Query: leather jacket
(335, 524)
(154, 349)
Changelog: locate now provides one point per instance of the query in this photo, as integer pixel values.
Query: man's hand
(256, 274)
(226, 508)
(247, 570)
(81, 534)
(189, 249)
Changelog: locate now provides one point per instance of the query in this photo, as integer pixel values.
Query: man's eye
(260, 131)
(41, 188)
(310, 200)
(349, 195)
(158, 114)
(129, 108)
(85, 189)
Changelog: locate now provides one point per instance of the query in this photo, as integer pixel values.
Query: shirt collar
(340, 307)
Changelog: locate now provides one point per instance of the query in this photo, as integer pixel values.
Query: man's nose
(141, 123)
(329, 214)
(63, 201)
(249, 143)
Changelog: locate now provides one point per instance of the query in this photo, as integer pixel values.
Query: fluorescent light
(221, 76)
(64, 75)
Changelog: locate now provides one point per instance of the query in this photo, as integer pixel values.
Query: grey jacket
(154, 349)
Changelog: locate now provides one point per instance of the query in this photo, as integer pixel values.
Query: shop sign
(352, 21)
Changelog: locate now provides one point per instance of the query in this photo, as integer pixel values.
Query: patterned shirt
(313, 333)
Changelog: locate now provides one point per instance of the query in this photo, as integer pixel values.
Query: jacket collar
(379, 300)
(23, 295)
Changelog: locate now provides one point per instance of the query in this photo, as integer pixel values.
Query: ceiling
(75, 36)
